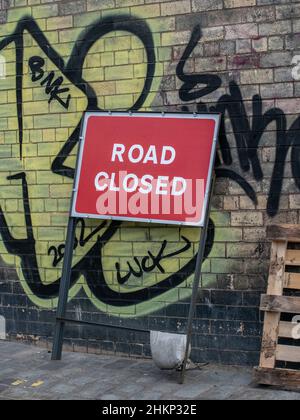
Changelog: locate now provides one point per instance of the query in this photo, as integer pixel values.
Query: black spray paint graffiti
(150, 262)
(247, 139)
(247, 136)
(58, 252)
(90, 266)
(53, 86)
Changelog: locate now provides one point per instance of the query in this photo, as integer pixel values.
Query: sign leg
(63, 291)
(198, 269)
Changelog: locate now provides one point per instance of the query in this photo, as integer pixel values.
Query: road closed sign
(145, 167)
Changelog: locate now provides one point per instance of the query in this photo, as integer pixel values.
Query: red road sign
(145, 167)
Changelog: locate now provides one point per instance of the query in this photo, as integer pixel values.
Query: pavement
(27, 373)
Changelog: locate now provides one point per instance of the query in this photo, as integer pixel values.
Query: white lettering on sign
(118, 152)
(131, 183)
(151, 155)
(164, 160)
(136, 150)
(100, 186)
(161, 185)
(137, 154)
(146, 181)
(176, 182)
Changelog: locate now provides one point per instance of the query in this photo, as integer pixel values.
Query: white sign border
(209, 116)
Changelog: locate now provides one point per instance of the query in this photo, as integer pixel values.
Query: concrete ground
(27, 373)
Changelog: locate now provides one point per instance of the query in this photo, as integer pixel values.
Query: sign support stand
(64, 290)
(196, 283)
(65, 282)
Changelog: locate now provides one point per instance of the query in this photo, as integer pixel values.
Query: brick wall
(238, 57)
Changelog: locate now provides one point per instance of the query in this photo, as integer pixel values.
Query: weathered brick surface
(248, 53)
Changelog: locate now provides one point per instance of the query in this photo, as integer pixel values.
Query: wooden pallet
(284, 276)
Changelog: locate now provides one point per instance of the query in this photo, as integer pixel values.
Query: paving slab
(27, 373)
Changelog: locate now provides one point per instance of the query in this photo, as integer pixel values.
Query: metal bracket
(196, 283)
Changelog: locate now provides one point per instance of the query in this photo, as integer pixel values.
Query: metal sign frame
(61, 319)
(87, 115)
